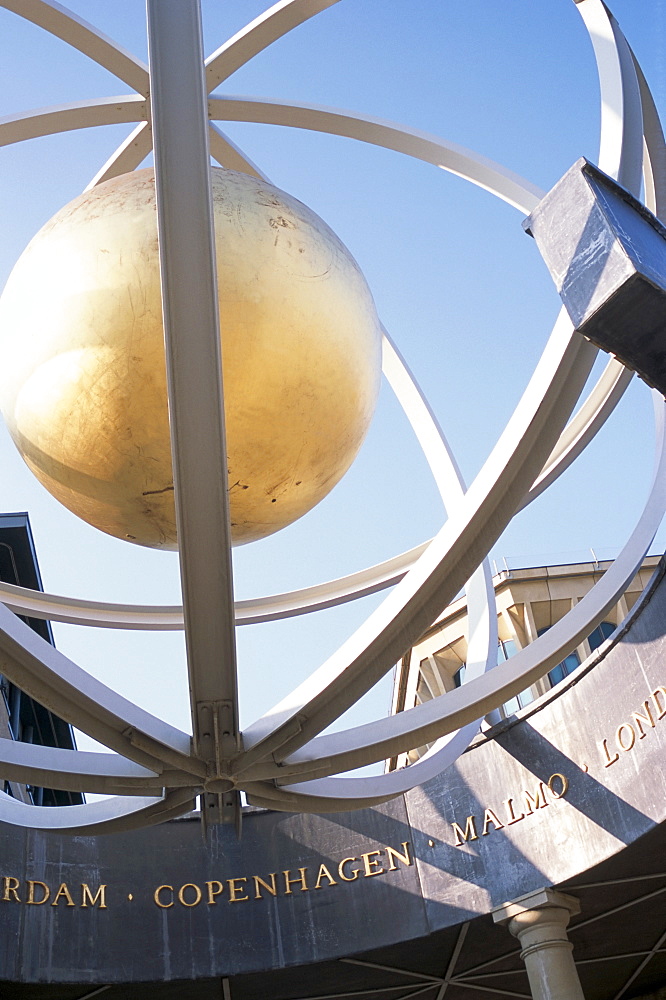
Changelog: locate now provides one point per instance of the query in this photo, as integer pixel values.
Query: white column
(194, 364)
(186, 238)
(539, 921)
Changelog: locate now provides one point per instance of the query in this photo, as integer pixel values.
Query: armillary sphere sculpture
(281, 761)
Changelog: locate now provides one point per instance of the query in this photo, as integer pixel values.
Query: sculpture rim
(284, 758)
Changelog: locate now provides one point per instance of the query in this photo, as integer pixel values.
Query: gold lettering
(31, 892)
(639, 719)
(63, 891)
(156, 896)
(197, 894)
(212, 893)
(87, 896)
(655, 698)
(512, 816)
(369, 864)
(272, 888)
(609, 760)
(234, 890)
(324, 873)
(341, 870)
(535, 802)
(469, 834)
(391, 853)
(490, 817)
(10, 891)
(620, 741)
(564, 782)
(288, 882)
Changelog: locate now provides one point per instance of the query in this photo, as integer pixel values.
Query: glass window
(563, 669)
(510, 707)
(526, 697)
(459, 676)
(600, 634)
(505, 649)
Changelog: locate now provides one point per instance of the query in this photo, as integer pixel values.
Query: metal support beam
(194, 371)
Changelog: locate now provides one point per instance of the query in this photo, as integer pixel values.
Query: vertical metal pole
(194, 378)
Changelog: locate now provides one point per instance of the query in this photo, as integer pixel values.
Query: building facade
(21, 717)
(529, 601)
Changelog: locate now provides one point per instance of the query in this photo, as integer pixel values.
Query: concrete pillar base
(539, 921)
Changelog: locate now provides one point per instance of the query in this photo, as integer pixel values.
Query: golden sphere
(83, 381)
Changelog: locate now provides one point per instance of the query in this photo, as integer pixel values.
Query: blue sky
(457, 283)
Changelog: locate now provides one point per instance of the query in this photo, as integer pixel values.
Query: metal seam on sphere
(73, 30)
